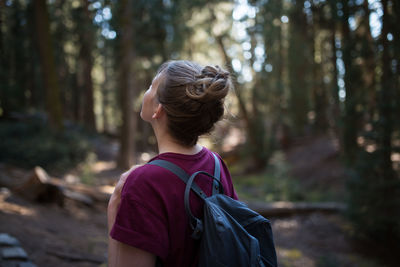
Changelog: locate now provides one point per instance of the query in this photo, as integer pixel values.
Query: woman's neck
(167, 144)
(176, 148)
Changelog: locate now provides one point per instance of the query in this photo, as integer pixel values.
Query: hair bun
(222, 75)
(210, 86)
(213, 72)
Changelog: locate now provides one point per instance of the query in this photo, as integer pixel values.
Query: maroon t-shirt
(152, 216)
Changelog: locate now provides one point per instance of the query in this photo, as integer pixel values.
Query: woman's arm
(123, 255)
(120, 254)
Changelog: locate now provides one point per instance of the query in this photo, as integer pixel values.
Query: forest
(312, 117)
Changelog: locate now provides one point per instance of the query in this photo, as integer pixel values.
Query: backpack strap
(195, 223)
(178, 171)
(217, 174)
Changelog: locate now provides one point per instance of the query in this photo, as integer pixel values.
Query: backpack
(230, 233)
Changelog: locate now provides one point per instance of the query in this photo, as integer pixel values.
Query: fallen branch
(283, 208)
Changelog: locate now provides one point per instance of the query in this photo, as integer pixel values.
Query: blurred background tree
(73, 70)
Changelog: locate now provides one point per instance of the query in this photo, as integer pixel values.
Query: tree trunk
(298, 68)
(386, 99)
(318, 89)
(3, 66)
(50, 80)
(77, 95)
(105, 91)
(126, 84)
(335, 110)
(2, 8)
(396, 39)
(369, 66)
(350, 128)
(86, 59)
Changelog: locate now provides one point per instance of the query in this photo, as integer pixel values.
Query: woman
(146, 215)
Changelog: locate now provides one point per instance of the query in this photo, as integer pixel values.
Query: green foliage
(374, 203)
(327, 261)
(32, 143)
(275, 184)
(87, 175)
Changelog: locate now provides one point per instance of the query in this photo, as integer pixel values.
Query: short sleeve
(140, 220)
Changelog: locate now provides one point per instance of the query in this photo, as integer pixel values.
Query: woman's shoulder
(144, 174)
(145, 178)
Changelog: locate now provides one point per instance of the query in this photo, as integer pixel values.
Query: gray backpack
(230, 233)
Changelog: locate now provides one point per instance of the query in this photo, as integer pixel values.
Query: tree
(351, 116)
(126, 85)
(85, 33)
(298, 67)
(318, 90)
(50, 80)
(374, 199)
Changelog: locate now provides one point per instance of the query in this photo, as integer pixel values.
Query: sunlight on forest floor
(103, 165)
(11, 208)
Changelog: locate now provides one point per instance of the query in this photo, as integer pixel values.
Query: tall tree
(318, 90)
(85, 32)
(396, 39)
(2, 59)
(386, 98)
(368, 53)
(351, 116)
(14, 57)
(331, 24)
(126, 85)
(298, 67)
(50, 80)
(374, 199)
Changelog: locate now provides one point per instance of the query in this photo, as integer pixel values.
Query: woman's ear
(158, 112)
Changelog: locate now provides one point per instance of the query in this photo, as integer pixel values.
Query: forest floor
(76, 235)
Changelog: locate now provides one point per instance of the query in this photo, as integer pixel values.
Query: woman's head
(192, 98)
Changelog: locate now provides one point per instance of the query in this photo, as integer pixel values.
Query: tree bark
(298, 67)
(335, 111)
(350, 128)
(126, 84)
(86, 60)
(3, 65)
(50, 80)
(396, 40)
(318, 88)
(386, 99)
(369, 66)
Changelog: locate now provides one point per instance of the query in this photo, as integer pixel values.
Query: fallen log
(37, 187)
(96, 193)
(284, 208)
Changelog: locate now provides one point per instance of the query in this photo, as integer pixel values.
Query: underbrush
(277, 184)
(31, 143)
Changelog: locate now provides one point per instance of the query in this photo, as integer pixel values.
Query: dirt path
(50, 234)
(53, 236)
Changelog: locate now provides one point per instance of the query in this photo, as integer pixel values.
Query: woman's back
(152, 215)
